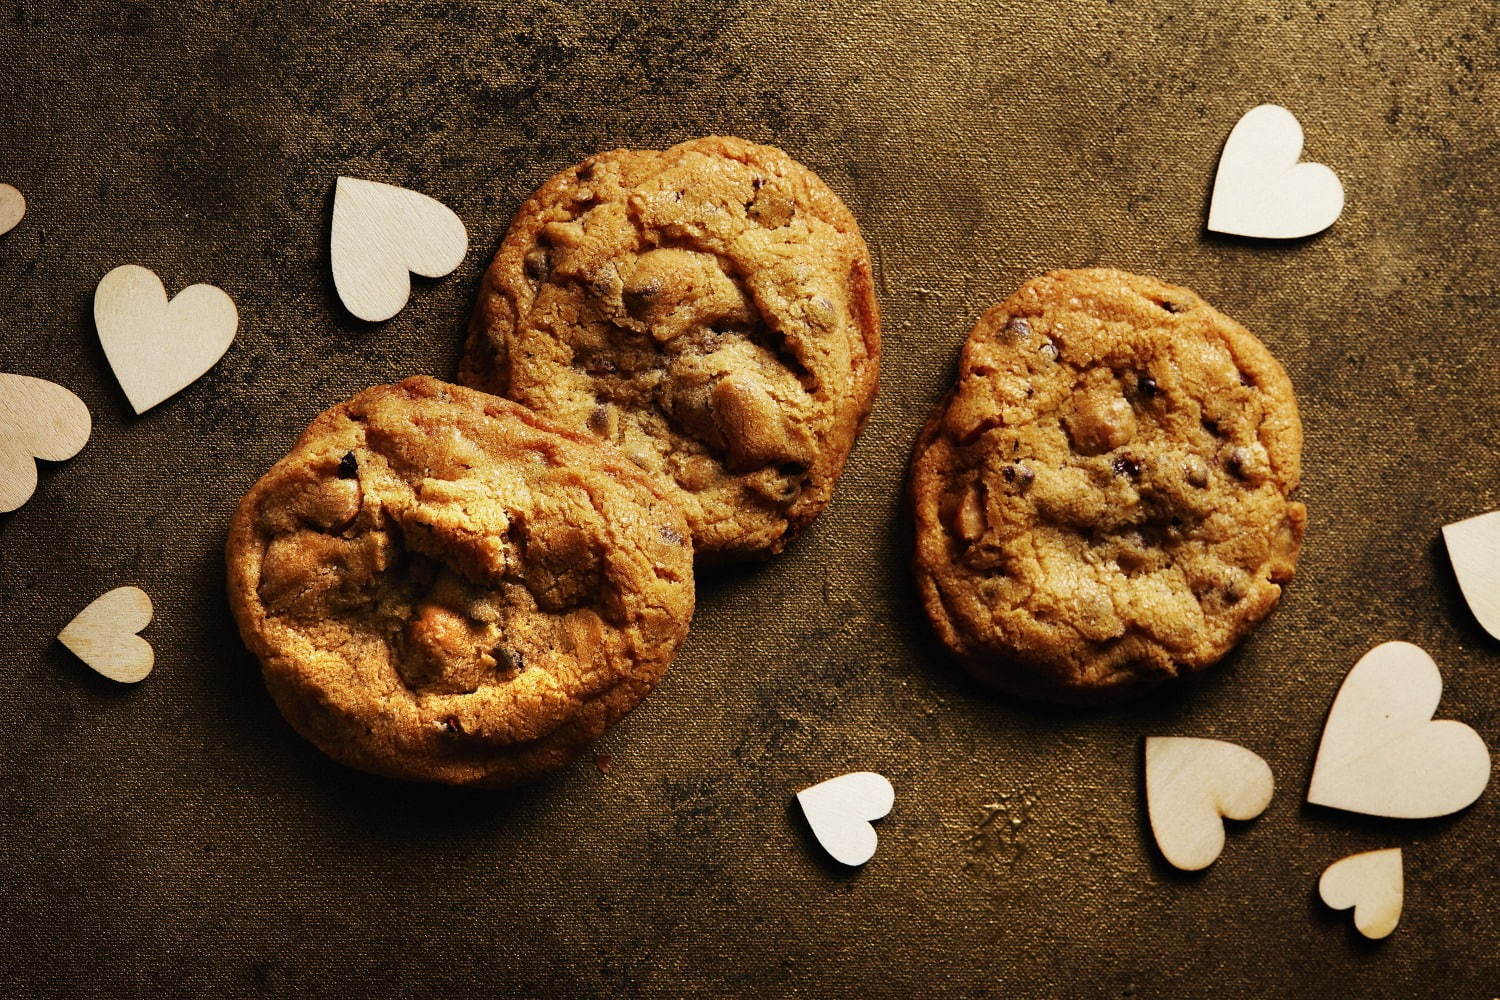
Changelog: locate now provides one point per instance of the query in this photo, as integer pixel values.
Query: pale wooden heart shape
(1474, 548)
(1261, 190)
(158, 348)
(1372, 883)
(103, 635)
(1191, 784)
(12, 208)
(382, 234)
(40, 420)
(1382, 754)
(840, 811)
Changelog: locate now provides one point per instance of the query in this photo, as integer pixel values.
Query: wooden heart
(158, 348)
(1382, 754)
(840, 811)
(103, 635)
(1261, 190)
(1372, 883)
(383, 234)
(1474, 548)
(40, 419)
(12, 208)
(1191, 784)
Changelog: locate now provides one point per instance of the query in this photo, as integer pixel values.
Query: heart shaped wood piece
(1474, 549)
(840, 811)
(103, 635)
(158, 347)
(1262, 190)
(1191, 785)
(382, 234)
(1382, 754)
(40, 419)
(12, 208)
(1372, 883)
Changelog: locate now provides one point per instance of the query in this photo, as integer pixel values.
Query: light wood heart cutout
(1261, 190)
(103, 635)
(38, 419)
(1191, 784)
(840, 811)
(158, 348)
(1383, 755)
(1372, 883)
(12, 208)
(383, 234)
(1474, 548)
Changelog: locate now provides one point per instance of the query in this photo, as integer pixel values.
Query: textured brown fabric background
(176, 838)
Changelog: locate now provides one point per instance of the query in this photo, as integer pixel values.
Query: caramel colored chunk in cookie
(1103, 501)
(709, 310)
(443, 586)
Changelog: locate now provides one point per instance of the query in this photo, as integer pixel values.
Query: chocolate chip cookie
(443, 586)
(1103, 501)
(708, 310)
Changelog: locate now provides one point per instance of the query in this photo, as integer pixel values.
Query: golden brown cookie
(443, 586)
(1103, 501)
(707, 309)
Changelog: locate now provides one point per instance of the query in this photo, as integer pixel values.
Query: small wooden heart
(1382, 754)
(12, 208)
(840, 811)
(1191, 784)
(1372, 883)
(1474, 548)
(40, 419)
(1261, 190)
(383, 234)
(103, 635)
(158, 347)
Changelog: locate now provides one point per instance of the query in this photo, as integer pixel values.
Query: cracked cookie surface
(1103, 500)
(707, 309)
(442, 586)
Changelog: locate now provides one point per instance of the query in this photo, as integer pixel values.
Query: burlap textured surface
(177, 839)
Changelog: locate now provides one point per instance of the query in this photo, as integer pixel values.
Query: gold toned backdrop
(177, 838)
